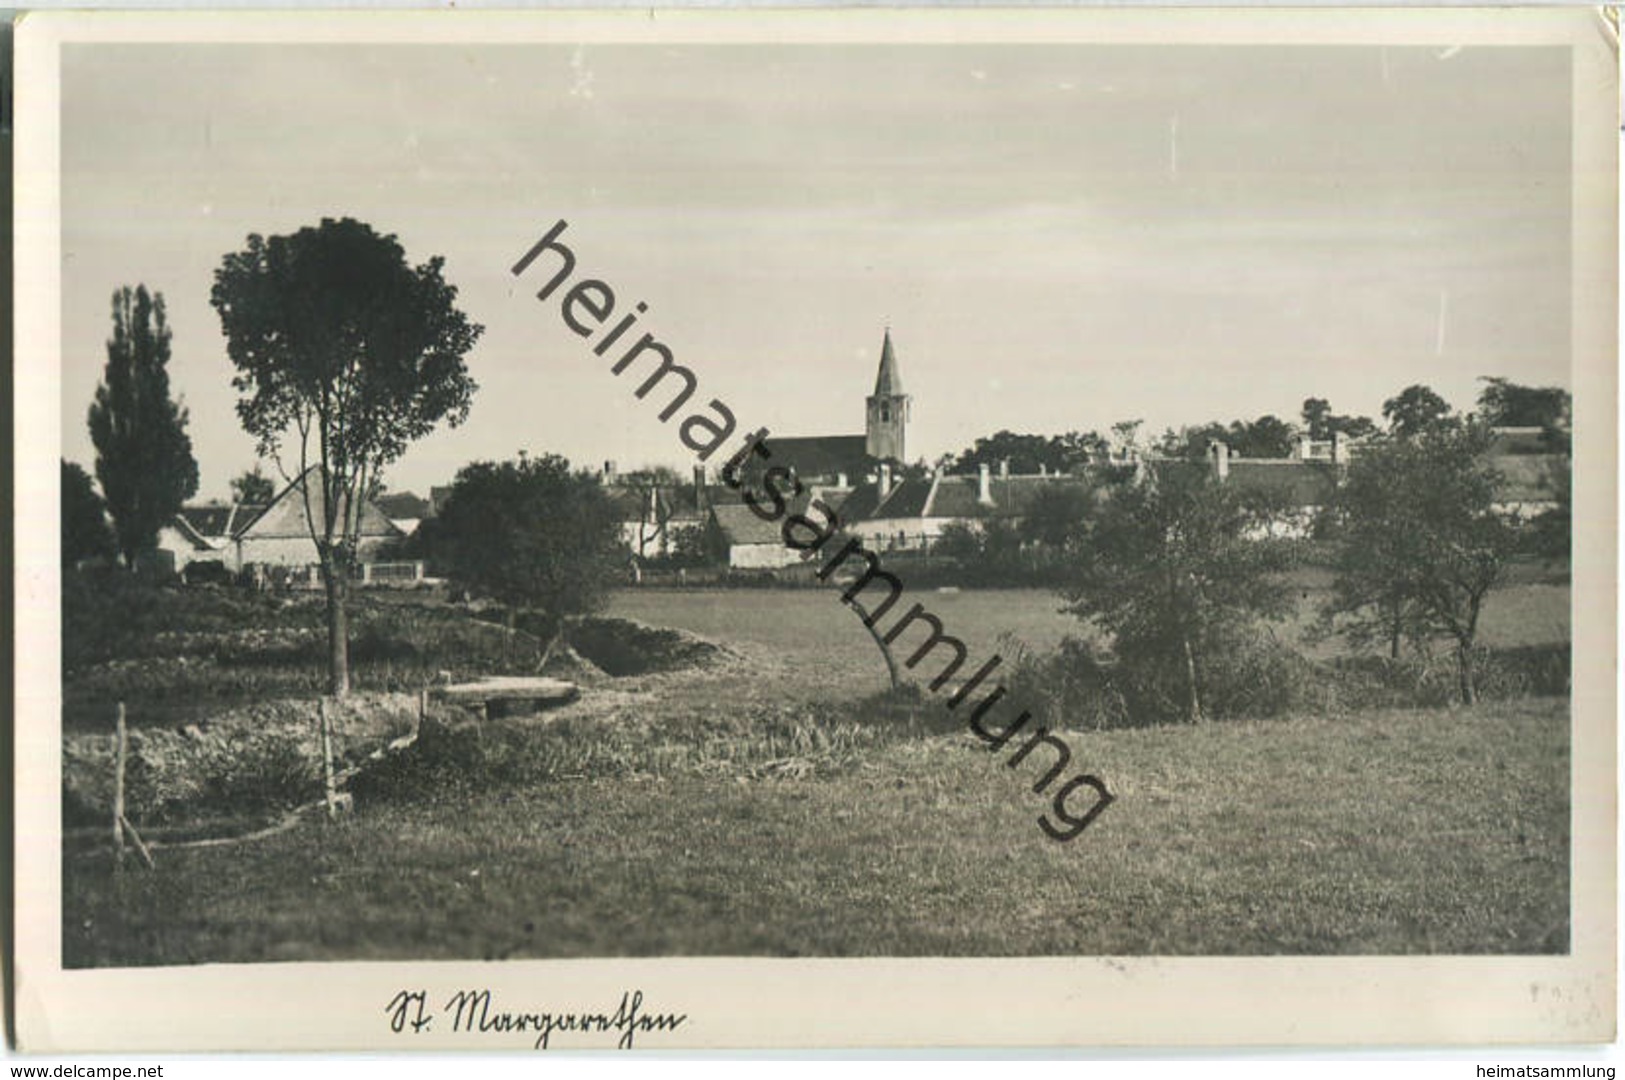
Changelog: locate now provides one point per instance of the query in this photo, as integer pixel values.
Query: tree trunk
(336, 581)
(1393, 633)
(880, 642)
(1465, 674)
(1194, 704)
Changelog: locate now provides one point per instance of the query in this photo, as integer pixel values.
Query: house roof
(1519, 440)
(403, 505)
(674, 502)
(630, 504)
(1299, 483)
(740, 525)
(905, 499)
(219, 523)
(208, 520)
(820, 455)
(188, 534)
(285, 518)
(1526, 477)
(959, 496)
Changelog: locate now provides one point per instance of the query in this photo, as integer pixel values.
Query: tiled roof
(1519, 440)
(1011, 496)
(403, 505)
(285, 517)
(189, 534)
(740, 525)
(243, 515)
(676, 502)
(820, 455)
(1526, 477)
(1300, 483)
(207, 520)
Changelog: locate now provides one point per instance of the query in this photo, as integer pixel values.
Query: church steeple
(887, 382)
(887, 414)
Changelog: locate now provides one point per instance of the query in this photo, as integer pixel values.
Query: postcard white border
(836, 1003)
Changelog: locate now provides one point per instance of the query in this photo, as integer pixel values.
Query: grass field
(824, 643)
(822, 640)
(773, 805)
(1400, 832)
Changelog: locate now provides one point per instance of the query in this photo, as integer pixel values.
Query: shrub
(1086, 686)
(1422, 679)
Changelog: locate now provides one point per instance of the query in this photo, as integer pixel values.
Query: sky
(1058, 236)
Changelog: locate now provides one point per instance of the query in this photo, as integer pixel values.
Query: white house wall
(762, 556)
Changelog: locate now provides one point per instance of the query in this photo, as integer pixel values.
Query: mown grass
(824, 643)
(1389, 832)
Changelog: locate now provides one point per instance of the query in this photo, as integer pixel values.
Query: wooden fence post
(120, 751)
(327, 759)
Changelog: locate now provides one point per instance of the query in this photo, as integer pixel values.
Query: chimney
(699, 487)
(1305, 449)
(1004, 468)
(1221, 459)
(1340, 448)
(840, 480)
(1042, 471)
(885, 480)
(609, 472)
(984, 486)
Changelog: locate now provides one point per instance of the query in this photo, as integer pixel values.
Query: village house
(405, 510)
(910, 514)
(276, 535)
(655, 516)
(201, 535)
(1306, 483)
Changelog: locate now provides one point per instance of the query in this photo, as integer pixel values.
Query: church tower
(888, 409)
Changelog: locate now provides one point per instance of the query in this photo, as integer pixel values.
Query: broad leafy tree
(1507, 404)
(1173, 569)
(85, 532)
(345, 354)
(1415, 410)
(253, 487)
(533, 535)
(143, 455)
(1321, 423)
(1317, 417)
(1027, 454)
(1423, 544)
(1266, 437)
(1058, 517)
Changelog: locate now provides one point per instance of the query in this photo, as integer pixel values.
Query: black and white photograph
(667, 530)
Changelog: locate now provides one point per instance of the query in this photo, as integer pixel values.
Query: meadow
(829, 650)
(778, 801)
(1401, 832)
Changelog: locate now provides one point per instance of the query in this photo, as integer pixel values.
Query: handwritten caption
(474, 1012)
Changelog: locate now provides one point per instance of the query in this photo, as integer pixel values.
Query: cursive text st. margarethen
(474, 1012)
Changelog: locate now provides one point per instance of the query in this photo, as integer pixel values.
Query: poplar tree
(143, 455)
